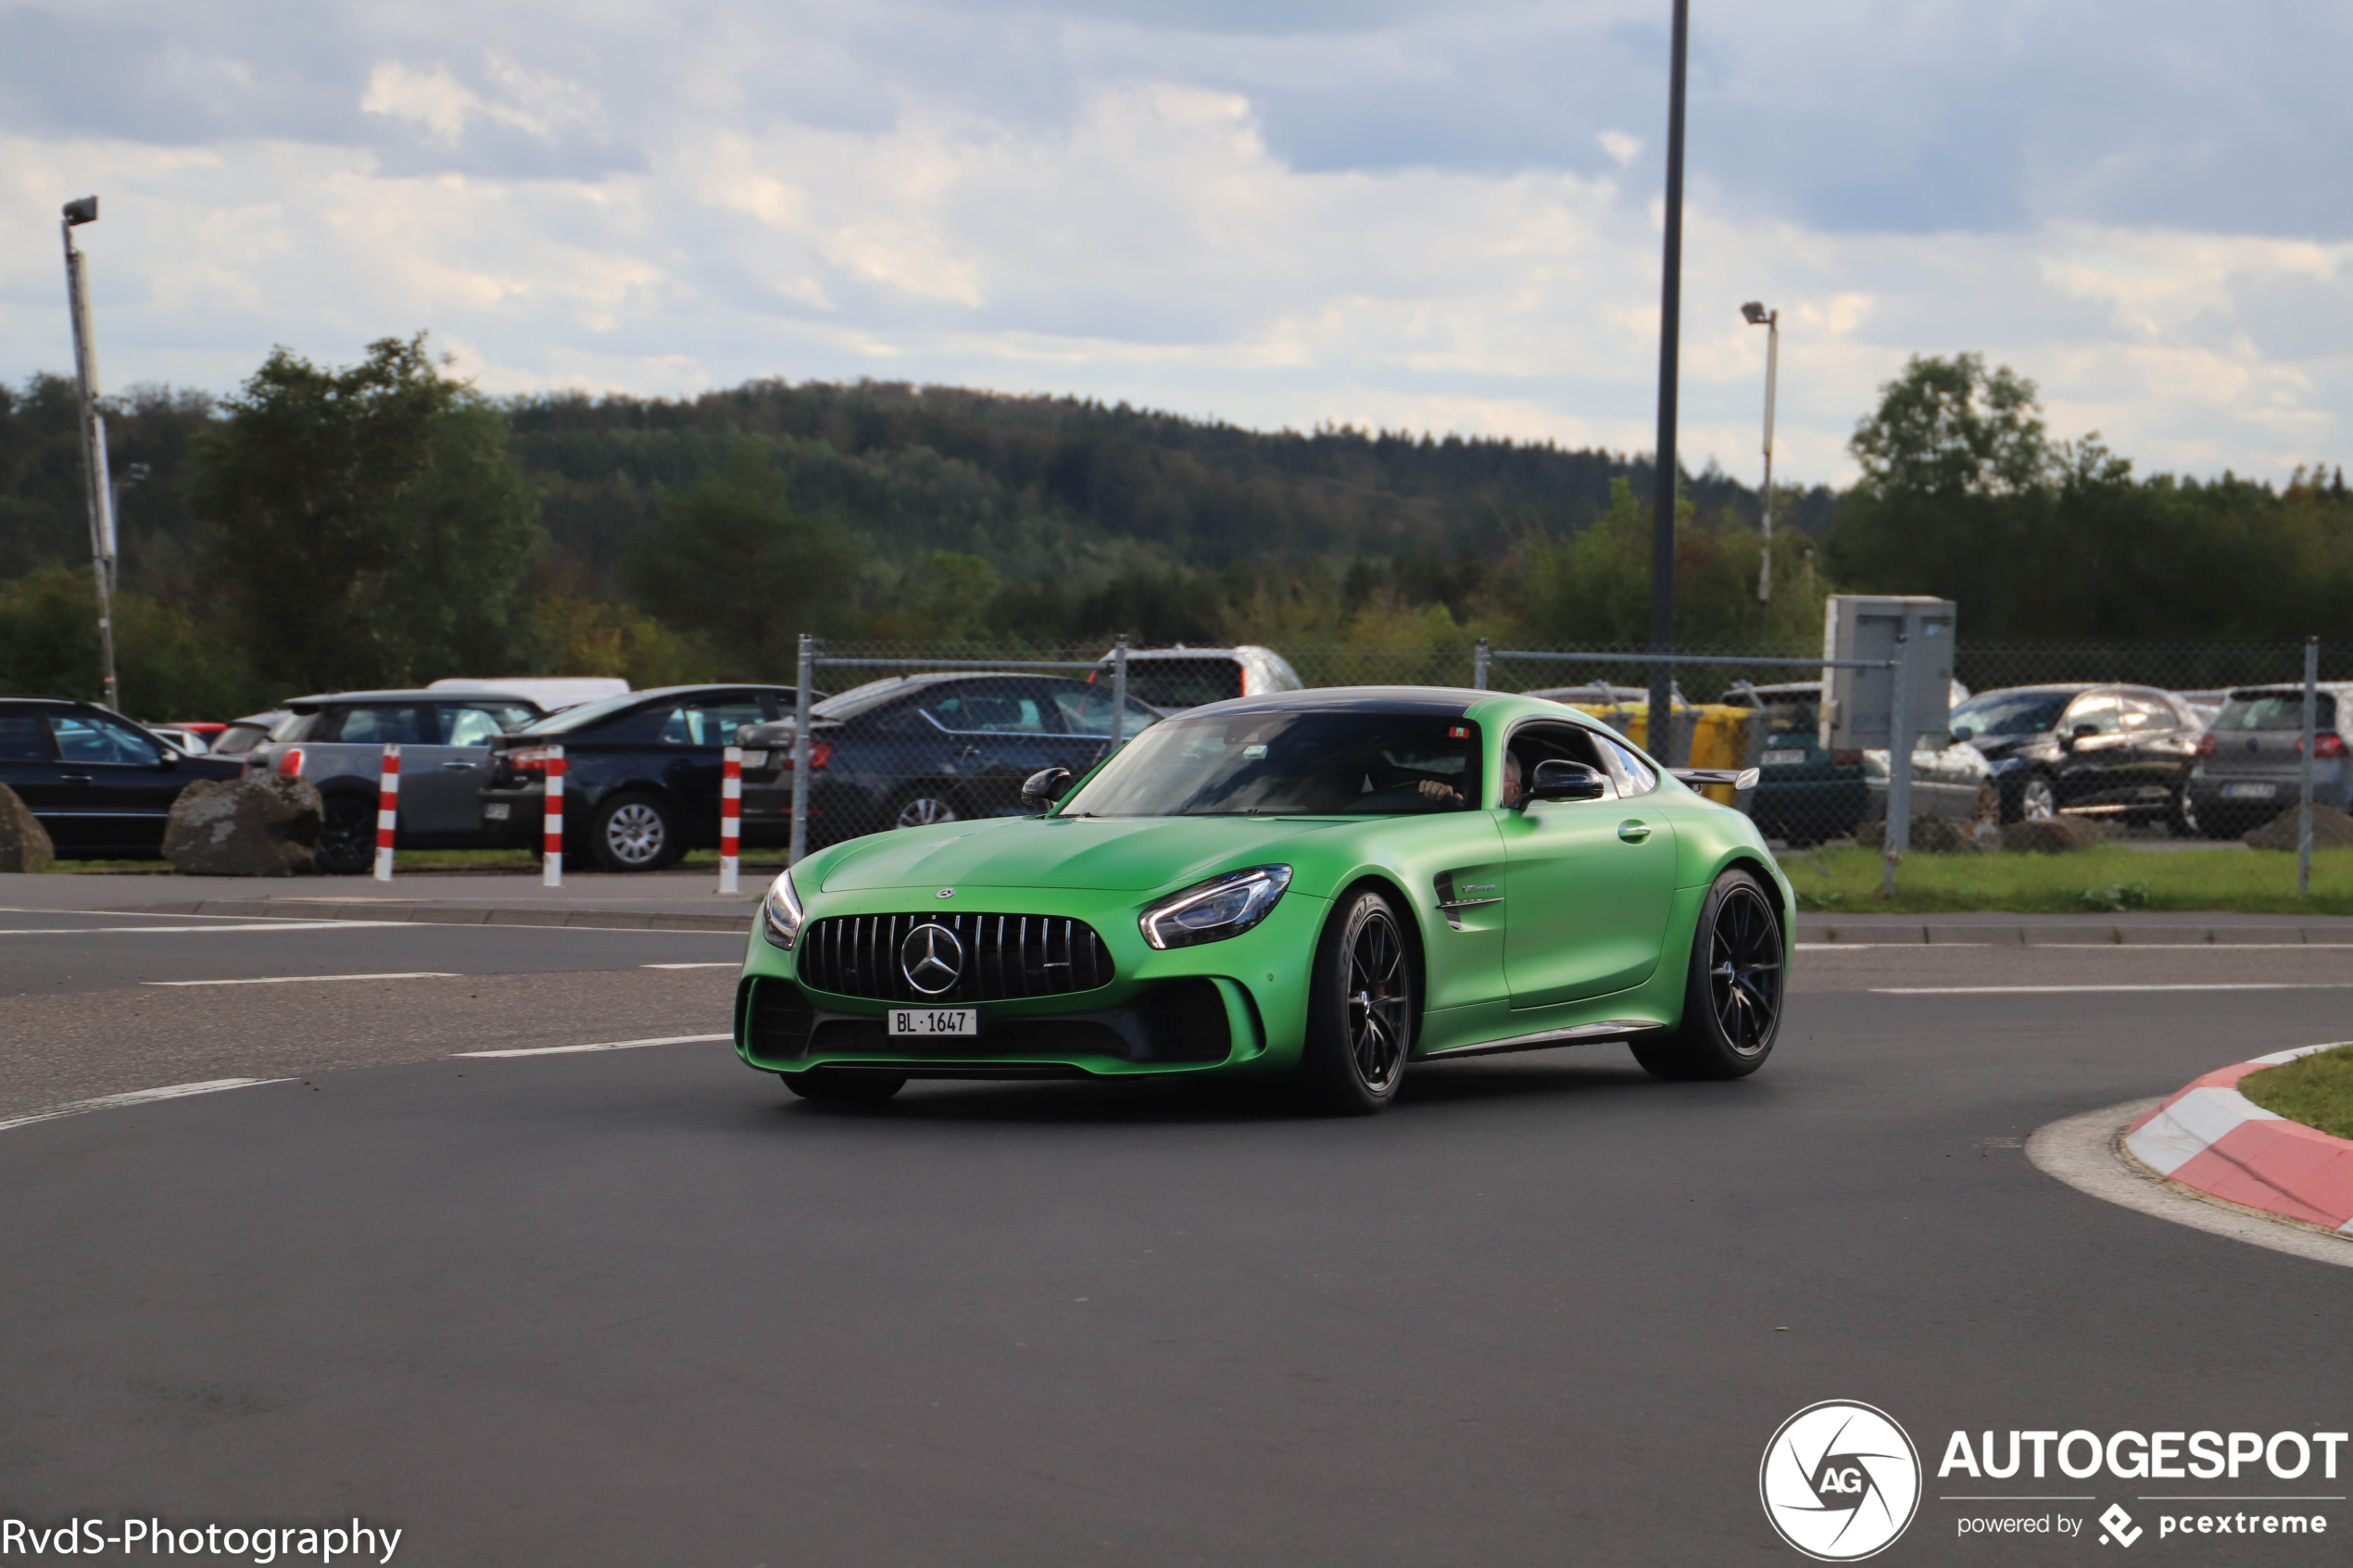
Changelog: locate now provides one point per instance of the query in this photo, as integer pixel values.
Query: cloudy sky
(1278, 212)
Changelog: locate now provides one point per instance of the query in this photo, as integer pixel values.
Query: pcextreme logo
(1840, 1481)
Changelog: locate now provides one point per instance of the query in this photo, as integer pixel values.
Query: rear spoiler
(1741, 779)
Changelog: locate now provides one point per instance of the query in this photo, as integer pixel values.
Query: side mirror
(168, 761)
(1558, 779)
(1042, 788)
(2082, 731)
(1963, 733)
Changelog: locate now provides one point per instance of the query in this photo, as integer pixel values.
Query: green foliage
(2316, 1090)
(733, 562)
(168, 667)
(2119, 877)
(1950, 427)
(366, 522)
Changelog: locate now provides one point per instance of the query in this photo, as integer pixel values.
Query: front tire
(347, 836)
(827, 1086)
(634, 832)
(1732, 999)
(1363, 1011)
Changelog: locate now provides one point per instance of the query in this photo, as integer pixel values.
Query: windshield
(587, 713)
(2276, 710)
(1181, 683)
(2010, 713)
(1289, 764)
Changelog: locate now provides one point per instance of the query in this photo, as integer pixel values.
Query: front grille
(1006, 957)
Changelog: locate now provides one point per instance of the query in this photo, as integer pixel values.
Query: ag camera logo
(1840, 1481)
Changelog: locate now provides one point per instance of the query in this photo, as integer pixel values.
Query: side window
(1085, 711)
(2097, 709)
(1637, 774)
(2144, 714)
(24, 738)
(1531, 744)
(475, 723)
(711, 724)
(385, 723)
(988, 707)
(85, 737)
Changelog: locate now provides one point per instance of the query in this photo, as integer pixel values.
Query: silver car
(2250, 758)
(1172, 680)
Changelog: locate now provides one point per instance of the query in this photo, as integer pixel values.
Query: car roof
(411, 694)
(1444, 701)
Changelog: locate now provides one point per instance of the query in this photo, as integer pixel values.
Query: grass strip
(2316, 1090)
(2105, 879)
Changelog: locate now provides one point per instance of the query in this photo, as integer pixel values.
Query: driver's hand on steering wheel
(1432, 790)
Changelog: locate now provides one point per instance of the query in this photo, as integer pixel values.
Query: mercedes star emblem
(945, 893)
(931, 959)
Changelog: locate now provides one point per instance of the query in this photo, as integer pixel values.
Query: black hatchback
(101, 786)
(2087, 750)
(641, 773)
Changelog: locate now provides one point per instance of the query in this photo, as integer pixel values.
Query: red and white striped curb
(2214, 1139)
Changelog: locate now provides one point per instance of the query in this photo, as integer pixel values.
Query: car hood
(1118, 854)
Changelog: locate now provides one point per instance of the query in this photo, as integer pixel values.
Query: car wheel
(831, 1088)
(922, 808)
(633, 832)
(2184, 816)
(2038, 799)
(1732, 999)
(346, 834)
(1361, 1013)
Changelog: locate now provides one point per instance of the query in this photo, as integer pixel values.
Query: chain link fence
(2148, 738)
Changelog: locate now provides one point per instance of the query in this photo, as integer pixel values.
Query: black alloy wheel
(1363, 1014)
(634, 832)
(1732, 999)
(347, 836)
(831, 1085)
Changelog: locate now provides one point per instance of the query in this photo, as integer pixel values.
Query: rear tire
(347, 836)
(1733, 997)
(634, 832)
(1363, 1011)
(922, 808)
(827, 1086)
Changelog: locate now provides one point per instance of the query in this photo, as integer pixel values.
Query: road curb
(2069, 933)
(606, 920)
(2212, 1139)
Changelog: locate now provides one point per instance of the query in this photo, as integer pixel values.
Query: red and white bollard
(731, 816)
(388, 812)
(552, 824)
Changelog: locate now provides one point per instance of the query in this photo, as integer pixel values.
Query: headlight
(1222, 907)
(780, 912)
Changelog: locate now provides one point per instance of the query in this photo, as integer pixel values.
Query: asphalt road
(637, 1306)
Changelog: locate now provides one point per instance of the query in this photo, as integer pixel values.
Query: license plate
(755, 759)
(1784, 759)
(2249, 791)
(495, 812)
(958, 1022)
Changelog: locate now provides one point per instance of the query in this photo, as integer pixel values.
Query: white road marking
(2088, 946)
(303, 979)
(724, 963)
(608, 1045)
(1877, 946)
(138, 1096)
(186, 930)
(2044, 990)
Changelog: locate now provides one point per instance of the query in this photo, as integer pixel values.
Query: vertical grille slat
(1006, 957)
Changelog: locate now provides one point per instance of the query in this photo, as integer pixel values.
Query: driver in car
(1433, 790)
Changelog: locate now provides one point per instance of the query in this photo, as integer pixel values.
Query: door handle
(1633, 830)
(968, 751)
(460, 767)
(73, 778)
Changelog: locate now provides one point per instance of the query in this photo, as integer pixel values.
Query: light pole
(132, 473)
(1671, 309)
(1771, 321)
(100, 493)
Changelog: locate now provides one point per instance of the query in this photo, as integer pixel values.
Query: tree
(367, 521)
(732, 560)
(1950, 427)
(171, 668)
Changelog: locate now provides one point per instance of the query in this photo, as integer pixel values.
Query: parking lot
(635, 1305)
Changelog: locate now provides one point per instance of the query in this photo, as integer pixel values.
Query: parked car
(1172, 680)
(100, 784)
(641, 773)
(2250, 761)
(1806, 794)
(336, 741)
(917, 749)
(241, 735)
(551, 692)
(189, 740)
(2087, 750)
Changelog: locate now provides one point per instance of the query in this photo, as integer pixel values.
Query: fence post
(800, 750)
(731, 815)
(1899, 767)
(1119, 691)
(2304, 769)
(1480, 659)
(551, 822)
(388, 810)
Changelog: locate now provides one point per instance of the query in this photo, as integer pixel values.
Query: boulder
(1931, 835)
(2332, 829)
(24, 843)
(264, 824)
(2053, 835)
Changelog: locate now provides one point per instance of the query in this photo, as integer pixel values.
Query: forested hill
(1037, 486)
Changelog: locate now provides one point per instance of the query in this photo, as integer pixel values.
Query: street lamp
(98, 491)
(1771, 321)
(1670, 309)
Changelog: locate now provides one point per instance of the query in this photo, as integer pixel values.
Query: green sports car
(1322, 885)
